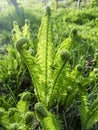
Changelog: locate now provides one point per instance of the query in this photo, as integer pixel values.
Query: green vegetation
(48, 66)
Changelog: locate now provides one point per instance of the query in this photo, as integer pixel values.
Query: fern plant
(48, 67)
(19, 118)
(41, 72)
(50, 72)
(88, 108)
(55, 75)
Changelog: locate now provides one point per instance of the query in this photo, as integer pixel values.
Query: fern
(61, 68)
(26, 29)
(51, 122)
(34, 71)
(29, 117)
(46, 73)
(92, 118)
(71, 84)
(54, 80)
(41, 71)
(88, 116)
(23, 104)
(45, 57)
(16, 32)
(48, 120)
(19, 117)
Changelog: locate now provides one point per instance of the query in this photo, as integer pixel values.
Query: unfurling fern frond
(76, 73)
(52, 122)
(25, 96)
(23, 106)
(16, 32)
(26, 29)
(29, 117)
(62, 68)
(41, 111)
(59, 74)
(31, 63)
(21, 42)
(40, 66)
(73, 33)
(47, 120)
(23, 103)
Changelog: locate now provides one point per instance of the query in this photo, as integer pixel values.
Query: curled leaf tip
(21, 42)
(74, 32)
(65, 55)
(13, 31)
(41, 111)
(79, 67)
(14, 22)
(29, 116)
(27, 22)
(48, 10)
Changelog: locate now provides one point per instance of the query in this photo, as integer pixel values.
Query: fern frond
(59, 72)
(4, 121)
(47, 120)
(13, 126)
(22, 43)
(62, 70)
(29, 117)
(71, 84)
(31, 64)
(16, 32)
(76, 74)
(51, 122)
(23, 103)
(66, 45)
(26, 29)
(25, 96)
(45, 55)
(92, 118)
(23, 106)
(26, 32)
(84, 110)
(41, 111)
(84, 106)
(39, 67)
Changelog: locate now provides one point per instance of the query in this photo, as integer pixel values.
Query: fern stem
(55, 81)
(46, 58)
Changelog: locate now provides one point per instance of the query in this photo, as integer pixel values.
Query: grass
(35, 7)
(31, 9)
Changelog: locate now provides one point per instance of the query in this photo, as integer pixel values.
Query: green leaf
(45, 54)
(22, 106)
(52, 122)
(92, 118)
